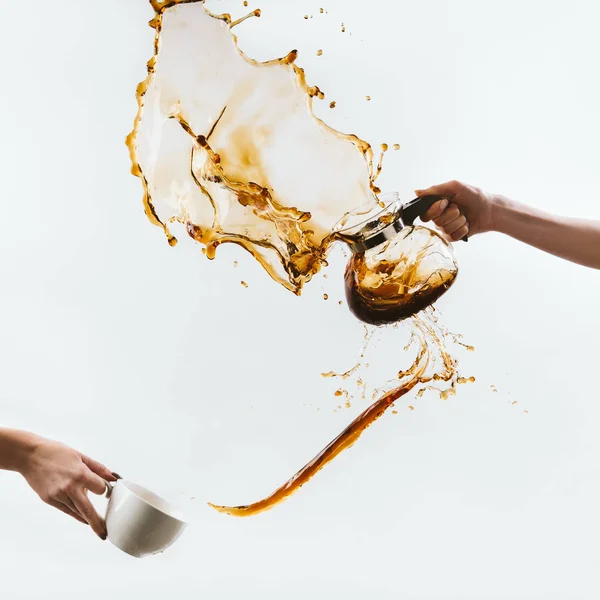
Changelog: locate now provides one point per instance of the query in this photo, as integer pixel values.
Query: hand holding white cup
(139, 522)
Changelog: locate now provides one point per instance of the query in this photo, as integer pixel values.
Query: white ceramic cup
(138, 521)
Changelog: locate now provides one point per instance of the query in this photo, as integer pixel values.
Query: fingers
(69, 504)
(460, 233)
(99, 468)
(436, 210)
(450, 220)
(87, 510)
(63, 508)
(450, 214)
(455, 225)
(94, 483)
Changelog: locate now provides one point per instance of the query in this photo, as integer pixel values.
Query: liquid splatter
(230, 149)
(219, 160)
(432, 362)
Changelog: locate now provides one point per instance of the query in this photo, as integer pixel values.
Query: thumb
(447, 190)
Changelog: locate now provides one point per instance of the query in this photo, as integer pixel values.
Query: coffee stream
(231, 149)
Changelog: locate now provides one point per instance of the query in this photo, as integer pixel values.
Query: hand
(62, 476)
(464, 210)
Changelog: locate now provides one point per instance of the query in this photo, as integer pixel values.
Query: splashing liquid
(399, 278)
(231, 149)
(432, 363)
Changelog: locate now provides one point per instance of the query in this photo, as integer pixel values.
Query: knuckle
(81, 473)
(71, 487)
(60, 490)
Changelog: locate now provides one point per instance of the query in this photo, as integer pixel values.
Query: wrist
(22, 445)
(501, 210)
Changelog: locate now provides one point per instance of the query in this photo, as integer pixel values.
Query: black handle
(418, 207)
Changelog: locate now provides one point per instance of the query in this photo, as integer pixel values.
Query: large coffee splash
(230, 148)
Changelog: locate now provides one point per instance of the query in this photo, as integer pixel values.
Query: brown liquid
(396, 280)
(237, 179)
(429, 339)
(230, 149)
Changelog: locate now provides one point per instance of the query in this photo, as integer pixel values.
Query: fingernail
(443, 203)
(419, 192)
(116, 475)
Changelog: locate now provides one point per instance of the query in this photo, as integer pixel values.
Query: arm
(59, 475)
(470, 210)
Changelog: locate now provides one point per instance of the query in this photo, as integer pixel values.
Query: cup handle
(109, 488)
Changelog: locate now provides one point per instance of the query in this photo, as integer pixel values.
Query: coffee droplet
(244, 284)
(396, 146)
(319, 52)
(367, 98)
(411, 408)
(332, 104)
(325, 297)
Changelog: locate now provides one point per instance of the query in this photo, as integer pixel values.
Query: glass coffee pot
(397, 269)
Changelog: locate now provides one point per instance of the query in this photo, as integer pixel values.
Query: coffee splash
(231, 149)
(432, 363)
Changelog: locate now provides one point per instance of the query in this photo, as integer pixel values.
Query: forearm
(15, 448)
(577, 240)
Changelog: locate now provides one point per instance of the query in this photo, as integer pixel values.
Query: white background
(160, 364)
